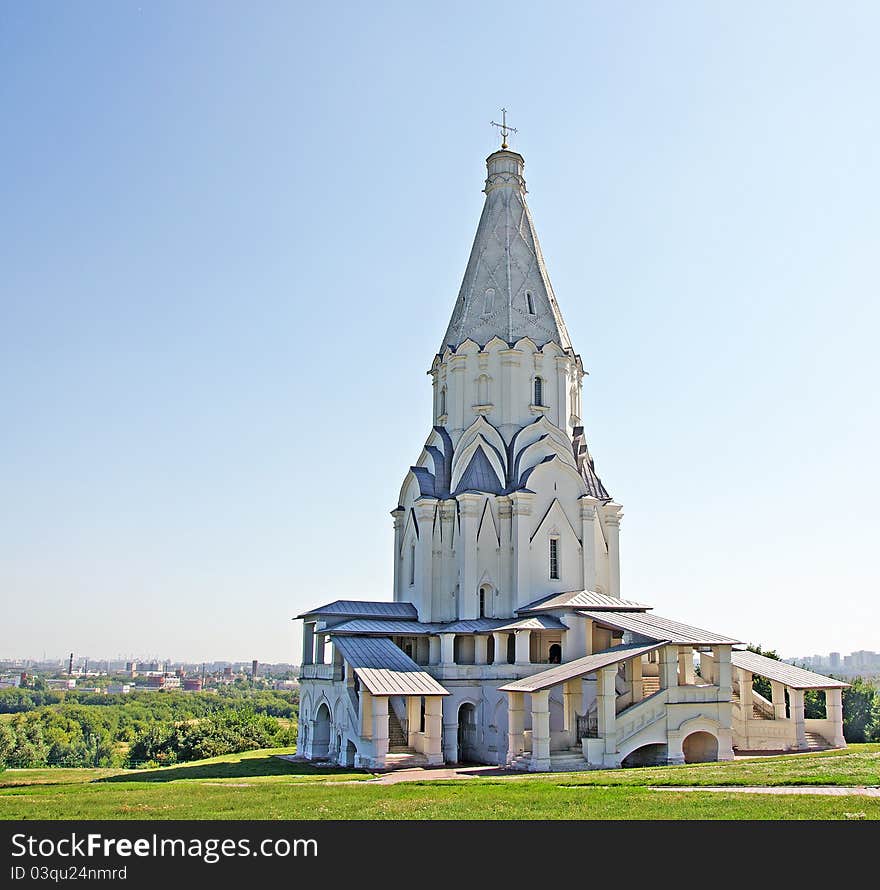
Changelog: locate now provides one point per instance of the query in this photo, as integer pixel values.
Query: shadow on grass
(225, 769)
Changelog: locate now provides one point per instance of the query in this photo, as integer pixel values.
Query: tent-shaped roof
(782, 672)
(385, 669)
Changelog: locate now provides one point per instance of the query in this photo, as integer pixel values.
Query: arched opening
(412, 564)
(490, 649)
(349, 753)
(700, 747)
(530, 303)
(489, 301)
(647, 755)
(539, 391)
(511, 648)
(321, 736)
(486, 607)
(442, 401)
(467, 733)
(555, 654)
(483, 390)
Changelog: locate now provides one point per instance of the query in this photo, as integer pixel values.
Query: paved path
(823, 790)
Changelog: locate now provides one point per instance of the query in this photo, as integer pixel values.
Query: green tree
(861, 712)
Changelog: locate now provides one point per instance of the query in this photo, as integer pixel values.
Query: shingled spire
(506, 291)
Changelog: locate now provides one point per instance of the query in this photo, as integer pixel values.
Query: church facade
(508, 640)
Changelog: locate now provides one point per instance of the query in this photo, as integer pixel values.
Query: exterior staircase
(396, 736)
(570, 760)
(757, 713)
(650, 685)
(816, 742)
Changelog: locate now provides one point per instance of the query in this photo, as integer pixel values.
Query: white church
(508, 641)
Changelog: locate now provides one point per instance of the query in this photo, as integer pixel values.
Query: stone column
(469, 515)
(320, 641)
(745, 693)
(574, 641)
(685, 666)
(433, 650)
(613, 515)
(723, 672)
(635, 669)
(380, 729)
(777, 696)
(834, 715)
(563, 370)
(668, 667)
(456, 393)
(413, 718)
(500, 648)
(707, 668)
(572, 699)
(365, 706)
(521, 509)
(523, 639)
(447, 649)
(308, 656)
(424, 509)
(588, 540)
(796, 704)
(588, 629)
(434, 729)
(481, 649)
(540, 731)
(398, 516)
(516, 743)
(606, 700)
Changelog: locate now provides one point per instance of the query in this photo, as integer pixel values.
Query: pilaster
(588, 539)
(521, 507)
(469, 515)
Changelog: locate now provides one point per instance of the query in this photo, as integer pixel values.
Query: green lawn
(258, 785)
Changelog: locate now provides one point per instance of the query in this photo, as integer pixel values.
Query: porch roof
(385, 669)
(580, 667)
(363, 609)
(782, 672)
(582, 599)
(656, 627)
(368, 626)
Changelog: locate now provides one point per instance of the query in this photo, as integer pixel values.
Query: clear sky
(231, 237)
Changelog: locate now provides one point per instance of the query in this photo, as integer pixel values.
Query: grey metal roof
(656, 627)
(582, 599)
(534, 622)
(385, 669)
(472, 626)
(580, 667)
(363, 609)
(367, 626)
(782, 672)
(479, 475)
(506, 291)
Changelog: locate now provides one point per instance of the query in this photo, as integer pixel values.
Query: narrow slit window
(443, 401)
(412, 564)
(539, 391)
(482, 602)
(554, 559)
(489, 301)
(530, 302)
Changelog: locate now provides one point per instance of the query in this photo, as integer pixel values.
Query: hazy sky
(231, 237)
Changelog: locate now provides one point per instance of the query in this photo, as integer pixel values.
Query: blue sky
(232, 236)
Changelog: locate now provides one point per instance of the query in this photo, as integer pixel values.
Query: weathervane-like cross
(505, 130)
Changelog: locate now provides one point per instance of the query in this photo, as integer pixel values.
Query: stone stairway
(816, 742)
(757, 714)
(396, 737)
(650, 686)
(570, 760)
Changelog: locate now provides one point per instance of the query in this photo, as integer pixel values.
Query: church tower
(504, 505)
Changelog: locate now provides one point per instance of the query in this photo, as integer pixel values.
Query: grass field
(258, 785)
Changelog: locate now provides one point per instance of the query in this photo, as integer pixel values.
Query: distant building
(834, 659)
(119, 689)
(67, 683)
(192, 684)
(285, 684)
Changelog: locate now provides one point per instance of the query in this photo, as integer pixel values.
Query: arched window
(442, 401)
(489, 301)
(554, 559)
(555, 654)
(539, 391)
(530, 303)
(482, 602)
(412, 564)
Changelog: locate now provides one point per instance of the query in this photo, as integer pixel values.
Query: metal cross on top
(505, 130)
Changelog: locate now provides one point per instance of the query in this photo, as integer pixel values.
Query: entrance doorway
(321, 738)
(467, 734)
(700, 747)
